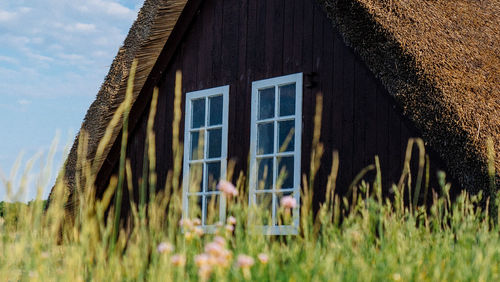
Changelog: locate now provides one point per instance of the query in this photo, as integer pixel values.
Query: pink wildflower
(229, 228)
(244, 261)
(227, 255)
(185, 222)
(263, 258)
(223, 261)
(288, 202)
(213, 249)
(197, 221)
(204, 272)
(198, 230)
(231, 220)
(227, 188)
(202, 259)
(164, 247)
(178, 260)
(220, 241)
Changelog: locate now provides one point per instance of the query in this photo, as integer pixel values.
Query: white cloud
(38, 57)
(25, 10)
(107, 7)
(100, 53)
(9, 60)
(6, 16)
(55, 47)
(84, 27)
(23, 102)
(37, 40)
(14, 40)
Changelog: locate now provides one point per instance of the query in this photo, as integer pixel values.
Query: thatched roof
(440, 59)
(144, 42)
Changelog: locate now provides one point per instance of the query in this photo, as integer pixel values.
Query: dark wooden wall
(239, 41)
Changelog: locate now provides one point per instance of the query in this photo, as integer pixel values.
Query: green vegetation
(363, 237)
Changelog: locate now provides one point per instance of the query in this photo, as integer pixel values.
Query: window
(205, 155)
(275, 145)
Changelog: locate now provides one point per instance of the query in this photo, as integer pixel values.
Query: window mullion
(205, 136)
(205, 153)
(275, 151)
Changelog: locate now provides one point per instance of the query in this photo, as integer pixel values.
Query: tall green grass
(363, 237)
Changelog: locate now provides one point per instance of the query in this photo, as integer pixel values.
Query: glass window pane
(287, 100)
(214, 143)
(286, 134)
(194, 206)
(264, 202)
(197, 141)
(265, 173)
(215, 110)
(265, 138)
(213, 175)
(198, 113)
(284, 216)
(285, 173)
(266, 103)
(195, 178)
(212, 206)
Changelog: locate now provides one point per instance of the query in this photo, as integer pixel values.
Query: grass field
(360, 238)
(375, 241)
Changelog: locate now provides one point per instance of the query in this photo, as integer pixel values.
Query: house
(251, 74)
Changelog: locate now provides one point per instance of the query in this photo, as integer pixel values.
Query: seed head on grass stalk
(123, 155)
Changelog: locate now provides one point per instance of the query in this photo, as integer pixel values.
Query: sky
(54, 55)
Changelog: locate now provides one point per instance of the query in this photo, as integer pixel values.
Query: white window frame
(256, 86)
(190, 96)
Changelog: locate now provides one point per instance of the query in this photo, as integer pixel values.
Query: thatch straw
(441, 61)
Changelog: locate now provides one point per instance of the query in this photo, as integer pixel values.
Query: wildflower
(178, 260)
(196, 221)
(231, 220)
(220, 241)
(229, 228)
(244, 261)
(164, 247)
(202, 259)
(213, 249)
(185, 222)
(288, 202)
(263, 258)
(227, 188)
(204, 272)
(224, 258)
(198, 231)
(188, 235)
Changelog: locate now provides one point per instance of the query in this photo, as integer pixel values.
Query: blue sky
(54, 55)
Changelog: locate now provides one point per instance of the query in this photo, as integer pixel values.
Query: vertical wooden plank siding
(205, 45)
(288, 35)
(382, 120)
(308, 93)
(236, 42)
